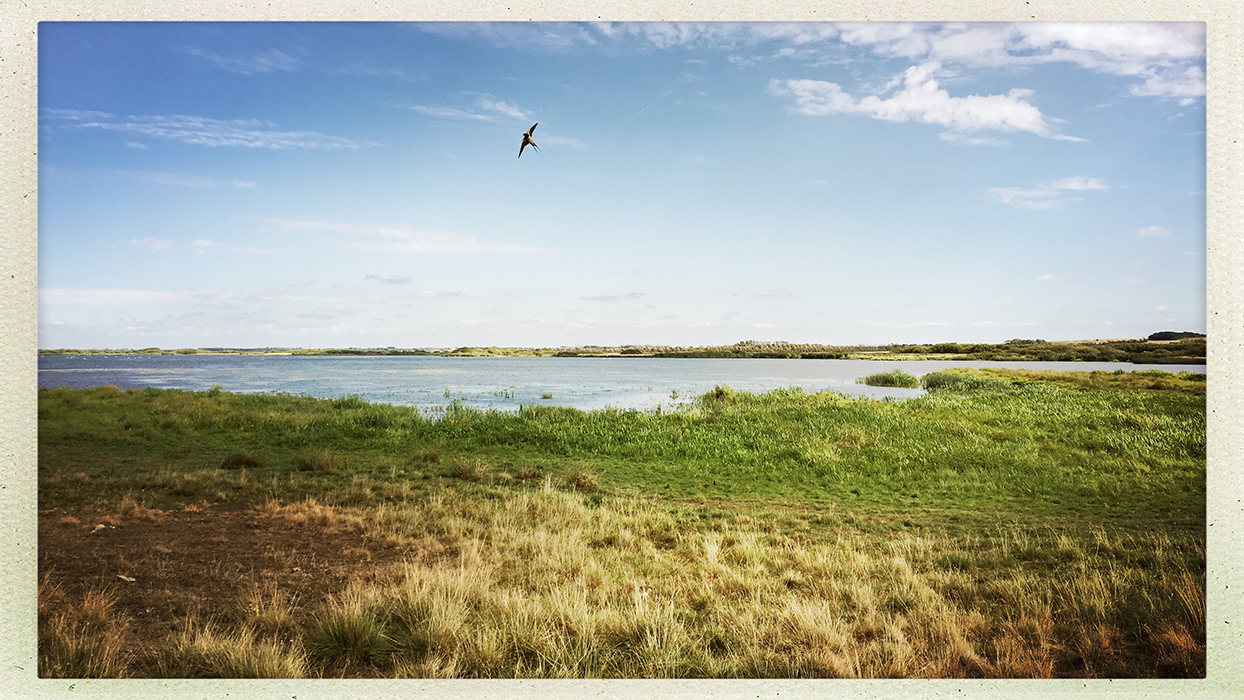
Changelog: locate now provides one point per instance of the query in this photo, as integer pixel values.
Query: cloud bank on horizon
(340, 184)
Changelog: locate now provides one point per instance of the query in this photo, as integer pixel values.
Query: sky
(360, 184)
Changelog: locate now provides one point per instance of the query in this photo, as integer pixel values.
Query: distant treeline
(1187, 351)
(1166, 347)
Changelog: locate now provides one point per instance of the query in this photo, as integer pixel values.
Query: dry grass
(546, 583)
(543, 585)
(82, 641)
(201, 651)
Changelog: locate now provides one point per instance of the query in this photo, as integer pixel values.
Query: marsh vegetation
(1005, 524)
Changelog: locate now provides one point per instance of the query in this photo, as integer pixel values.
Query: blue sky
(358, 184)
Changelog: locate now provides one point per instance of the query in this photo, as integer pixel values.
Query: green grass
(977, 440)
(897, 378)
(1005, 523)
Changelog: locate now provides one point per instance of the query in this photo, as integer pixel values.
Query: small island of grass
(897, 378)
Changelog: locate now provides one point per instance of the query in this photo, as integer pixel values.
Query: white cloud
(1153, 232)
(1161, 54)
(1044, 278)
(1046, 195)
(1166, 55)
(244, 184)
(135, 144)
(248, 63)
(921, 99)
(203, 131)
(1186, 85)
(152, 243)
(402, 238)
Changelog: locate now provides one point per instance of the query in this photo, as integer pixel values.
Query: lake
(505, 383)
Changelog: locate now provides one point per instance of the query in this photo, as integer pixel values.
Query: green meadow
(1006, 524)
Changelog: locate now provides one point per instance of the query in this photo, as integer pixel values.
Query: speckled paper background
(18, 311)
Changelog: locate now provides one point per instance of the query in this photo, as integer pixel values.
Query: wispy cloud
(248, 63)
(1167, 57)
(402, 238)
(502, 108)
(1153, 232)
(491, 110)
(204, 131)
(1047, 195)
(404, 279)
(367, 69)
(249, 185)
(921, 99)
(449, 113)
(1044, 278)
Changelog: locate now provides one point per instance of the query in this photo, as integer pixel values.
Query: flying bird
(527, 140)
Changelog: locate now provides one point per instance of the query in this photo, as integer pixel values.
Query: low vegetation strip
(1004, 524)
(1160, 348)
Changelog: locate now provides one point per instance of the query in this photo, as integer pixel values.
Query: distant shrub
(897, 378)
(947, 349)
(1174, 335)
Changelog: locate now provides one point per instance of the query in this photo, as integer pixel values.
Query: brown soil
(200, 563)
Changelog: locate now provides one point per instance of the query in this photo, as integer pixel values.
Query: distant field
(1006, 524)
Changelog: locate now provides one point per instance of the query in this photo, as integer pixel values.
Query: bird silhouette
(527, 140)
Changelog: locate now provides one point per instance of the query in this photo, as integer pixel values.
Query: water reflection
(504, 383)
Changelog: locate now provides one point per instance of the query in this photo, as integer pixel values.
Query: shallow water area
(506, 383)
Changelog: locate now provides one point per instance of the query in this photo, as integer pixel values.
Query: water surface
(505, 383)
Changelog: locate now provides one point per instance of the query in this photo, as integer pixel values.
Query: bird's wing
(532, 130)
(521, 147)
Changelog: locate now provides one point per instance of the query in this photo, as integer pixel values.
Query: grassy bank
(1006, 524)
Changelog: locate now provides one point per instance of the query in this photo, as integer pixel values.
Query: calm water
(505, 383)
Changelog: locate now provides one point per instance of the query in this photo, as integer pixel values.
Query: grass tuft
(323, 460)
(897, 378)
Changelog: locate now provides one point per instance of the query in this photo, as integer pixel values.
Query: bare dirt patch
(163, 567)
